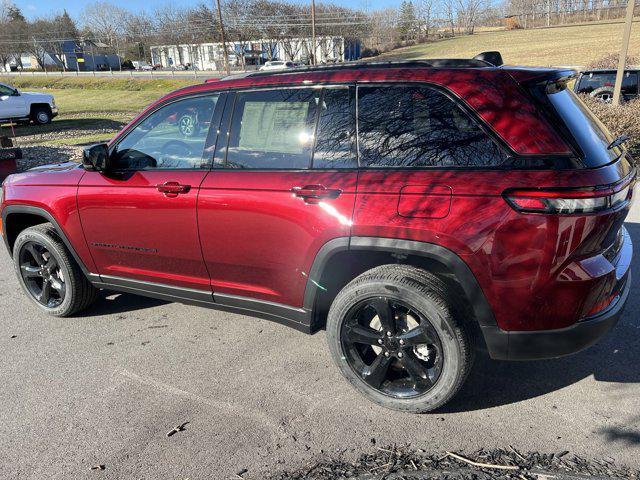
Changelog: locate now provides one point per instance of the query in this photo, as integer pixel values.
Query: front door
(140, 221)
(12, 105)
(284, 186)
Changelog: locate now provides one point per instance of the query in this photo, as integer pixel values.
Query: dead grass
(574, 45)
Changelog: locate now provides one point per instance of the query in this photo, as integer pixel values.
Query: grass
(88, 104)
(573, 45)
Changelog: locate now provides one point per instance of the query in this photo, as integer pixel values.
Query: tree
(425, 12)
(407, 21)
(105, 21)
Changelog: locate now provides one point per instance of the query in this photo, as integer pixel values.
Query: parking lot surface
(105, 388)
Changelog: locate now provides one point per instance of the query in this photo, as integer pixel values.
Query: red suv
(416, 211)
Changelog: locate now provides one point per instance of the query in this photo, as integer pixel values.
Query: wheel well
(17, 222)
(38, 106)
(346, 265)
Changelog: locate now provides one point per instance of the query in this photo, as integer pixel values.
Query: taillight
(568, 201)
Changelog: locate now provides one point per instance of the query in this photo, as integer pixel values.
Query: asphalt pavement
(105, 388)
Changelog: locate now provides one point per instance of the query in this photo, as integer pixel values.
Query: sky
(41, 8)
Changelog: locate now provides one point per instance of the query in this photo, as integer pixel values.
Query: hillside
(574, 45)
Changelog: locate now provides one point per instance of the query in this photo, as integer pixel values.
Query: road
(106, 388)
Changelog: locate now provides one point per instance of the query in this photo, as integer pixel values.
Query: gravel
(400, 463)
(34, 156)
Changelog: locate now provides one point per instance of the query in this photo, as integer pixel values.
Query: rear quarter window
(419, 126)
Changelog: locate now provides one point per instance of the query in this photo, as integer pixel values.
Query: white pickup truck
(18, 106)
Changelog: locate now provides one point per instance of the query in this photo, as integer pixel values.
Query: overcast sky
(35, 8)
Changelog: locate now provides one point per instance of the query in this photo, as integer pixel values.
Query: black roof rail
(430, 63)
(482, 60)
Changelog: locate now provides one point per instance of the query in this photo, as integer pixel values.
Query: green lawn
(90, 109)
(575, 45)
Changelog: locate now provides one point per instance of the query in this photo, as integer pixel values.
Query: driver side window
(172, 137)
(4, 90)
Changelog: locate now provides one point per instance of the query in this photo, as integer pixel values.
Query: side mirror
(96, 158)
(16, 93)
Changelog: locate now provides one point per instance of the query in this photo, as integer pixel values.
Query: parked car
(277, 65)
(469, 206)
(39, 108)
(142, 65)
(599, 84)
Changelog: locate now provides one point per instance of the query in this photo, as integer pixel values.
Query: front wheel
(394, 337)
(49, 274)
(41, 116)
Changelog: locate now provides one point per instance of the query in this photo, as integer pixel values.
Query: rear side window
(336, 134)
(273, 129)
(417, 126)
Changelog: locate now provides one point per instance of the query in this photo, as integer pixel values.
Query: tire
(188, 125)
(69, 290)
(444, 350)
(41, 115)
(603, 94)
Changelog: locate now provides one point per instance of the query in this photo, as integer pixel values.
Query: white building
(208, 56)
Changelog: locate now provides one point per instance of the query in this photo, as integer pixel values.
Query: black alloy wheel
(42, 275)
(392, 347)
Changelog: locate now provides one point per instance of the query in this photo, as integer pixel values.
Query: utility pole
(224, 44)
(623, 52)
(313, 32)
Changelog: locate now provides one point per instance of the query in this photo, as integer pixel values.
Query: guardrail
(126, 73)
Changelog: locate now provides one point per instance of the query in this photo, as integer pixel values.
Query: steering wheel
(176, 154)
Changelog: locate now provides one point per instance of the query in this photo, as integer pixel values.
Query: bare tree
(105, 20)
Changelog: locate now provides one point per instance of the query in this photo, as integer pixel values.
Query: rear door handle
(315, 193)
(172, 189)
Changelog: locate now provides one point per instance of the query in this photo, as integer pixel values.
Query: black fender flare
(48, 217)
(481, 308)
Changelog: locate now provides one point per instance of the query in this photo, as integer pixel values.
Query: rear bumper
(541, 344)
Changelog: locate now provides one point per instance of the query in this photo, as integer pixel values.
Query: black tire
(41, 115)
(64, 274)
(423, 295)
(603, 94)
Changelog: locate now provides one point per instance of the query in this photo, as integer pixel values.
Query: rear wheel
(48, 273)
(394, 337)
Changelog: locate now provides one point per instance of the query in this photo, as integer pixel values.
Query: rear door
(283, 186)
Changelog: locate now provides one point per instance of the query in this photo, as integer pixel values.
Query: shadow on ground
(109, 303)
(62, 125)
(614, 359)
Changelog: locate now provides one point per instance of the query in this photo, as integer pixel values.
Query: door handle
(315, 193)
(172, 189)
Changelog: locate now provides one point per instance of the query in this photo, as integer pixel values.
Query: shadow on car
(614, 359)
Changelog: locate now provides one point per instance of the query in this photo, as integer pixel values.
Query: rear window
(590, 134)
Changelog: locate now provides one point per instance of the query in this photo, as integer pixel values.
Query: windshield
(590, 134)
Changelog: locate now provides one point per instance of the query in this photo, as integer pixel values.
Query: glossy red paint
(259, 238)
(247, 233)
(136, 231)
(520, 260)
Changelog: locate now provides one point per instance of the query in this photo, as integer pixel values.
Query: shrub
(610, 60)
(619, 119)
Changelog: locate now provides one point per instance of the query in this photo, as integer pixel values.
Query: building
(209, 56)
(83, 56)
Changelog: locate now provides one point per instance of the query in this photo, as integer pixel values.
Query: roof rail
(483, 60)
